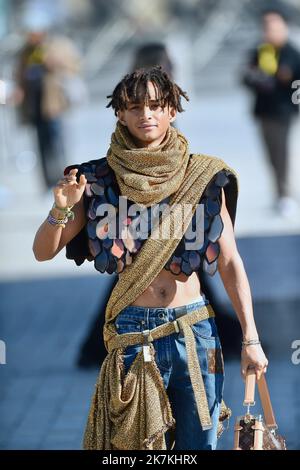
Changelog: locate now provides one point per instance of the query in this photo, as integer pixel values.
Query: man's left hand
(253, 356)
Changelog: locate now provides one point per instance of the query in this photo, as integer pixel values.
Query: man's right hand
(67, 191)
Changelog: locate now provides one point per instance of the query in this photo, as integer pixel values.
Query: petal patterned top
(112, 254)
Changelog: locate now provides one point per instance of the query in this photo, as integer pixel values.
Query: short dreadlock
(133, 87)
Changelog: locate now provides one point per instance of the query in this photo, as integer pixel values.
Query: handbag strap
(263, 393)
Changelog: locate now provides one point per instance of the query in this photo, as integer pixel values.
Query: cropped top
(112, 254)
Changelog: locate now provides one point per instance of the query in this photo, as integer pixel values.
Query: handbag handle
(263, 393)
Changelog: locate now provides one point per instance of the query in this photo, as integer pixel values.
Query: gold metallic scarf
(148, 175)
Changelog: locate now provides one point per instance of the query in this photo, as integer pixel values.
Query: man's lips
(147, 126)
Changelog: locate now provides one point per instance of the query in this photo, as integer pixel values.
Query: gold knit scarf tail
(115, 419)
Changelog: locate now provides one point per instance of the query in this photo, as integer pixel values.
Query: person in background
(151, 54)
(273, 65)
(44, 71)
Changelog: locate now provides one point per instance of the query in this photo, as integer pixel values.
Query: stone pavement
(44, 399)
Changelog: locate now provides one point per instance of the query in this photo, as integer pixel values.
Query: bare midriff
(170, 290)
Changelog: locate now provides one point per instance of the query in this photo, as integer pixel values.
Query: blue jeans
(171, 360)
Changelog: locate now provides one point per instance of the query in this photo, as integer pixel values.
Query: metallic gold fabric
(148, 175)
(134, 412)
(156, 250)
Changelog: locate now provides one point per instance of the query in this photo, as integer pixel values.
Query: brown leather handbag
(252, 432)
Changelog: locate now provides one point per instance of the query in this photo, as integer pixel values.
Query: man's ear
(120, 115)
(172, 114)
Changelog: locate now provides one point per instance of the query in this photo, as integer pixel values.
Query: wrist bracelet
(65, 210)
(250, 342)
(53, 221)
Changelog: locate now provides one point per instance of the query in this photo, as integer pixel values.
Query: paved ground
(44, 399)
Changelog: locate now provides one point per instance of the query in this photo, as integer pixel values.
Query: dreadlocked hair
(133, 87)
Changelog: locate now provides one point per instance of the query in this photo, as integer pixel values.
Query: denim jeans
(171, 360)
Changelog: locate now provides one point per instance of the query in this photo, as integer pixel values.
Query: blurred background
(49, 120)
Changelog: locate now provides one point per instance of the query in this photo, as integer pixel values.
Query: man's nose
(146, 112)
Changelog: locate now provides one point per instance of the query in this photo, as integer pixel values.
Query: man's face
(147, 124)
(35, 37)
(275, 29)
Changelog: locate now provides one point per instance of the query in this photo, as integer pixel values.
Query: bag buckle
(248, 405)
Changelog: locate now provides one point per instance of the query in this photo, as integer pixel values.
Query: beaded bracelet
(61, 222)
(53, 221)
(66, 211)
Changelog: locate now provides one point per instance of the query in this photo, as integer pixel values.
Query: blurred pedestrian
(153, 53)
(273, 65)
(45, 72)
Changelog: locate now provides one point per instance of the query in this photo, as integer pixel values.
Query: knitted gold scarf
(146, 176)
